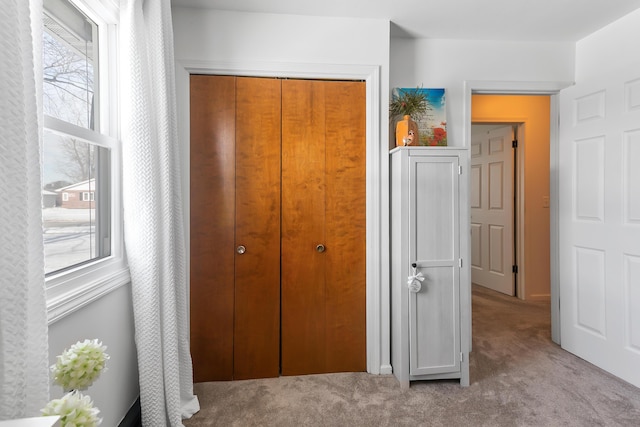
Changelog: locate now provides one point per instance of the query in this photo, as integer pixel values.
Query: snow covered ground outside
(69, 237)
(67, 215)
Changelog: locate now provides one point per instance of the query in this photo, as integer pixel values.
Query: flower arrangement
(74, 409)
(408, 102)
(76, 369)
(80, 365)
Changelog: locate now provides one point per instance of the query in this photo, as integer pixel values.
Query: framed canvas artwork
(426, 107)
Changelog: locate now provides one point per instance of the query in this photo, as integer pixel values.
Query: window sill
(61, 304)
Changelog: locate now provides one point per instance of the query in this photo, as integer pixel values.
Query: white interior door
(492, 209)
(599, 210)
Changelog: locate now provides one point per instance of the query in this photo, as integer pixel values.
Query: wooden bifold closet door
(235, 201)
(277, 227)
(323, 203)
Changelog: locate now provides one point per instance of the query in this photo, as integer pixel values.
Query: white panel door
(599, 209)
(492, 210)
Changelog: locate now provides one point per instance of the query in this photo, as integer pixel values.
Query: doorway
(377, 289)
(549, 90)
(532, 189)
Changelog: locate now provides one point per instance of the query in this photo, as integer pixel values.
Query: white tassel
(414, 281)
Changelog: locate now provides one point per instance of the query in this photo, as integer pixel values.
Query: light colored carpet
(518, 378)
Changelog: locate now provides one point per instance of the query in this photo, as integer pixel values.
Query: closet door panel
(323, 191)
(345, 226)
(212, 226)
(257, 272)
(303, 187)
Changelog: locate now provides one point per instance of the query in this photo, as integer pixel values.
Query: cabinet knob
(320, 248)
(241, 249)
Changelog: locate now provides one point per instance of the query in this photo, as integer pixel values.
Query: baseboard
(133, 417)
(539, 297)
(386, 370)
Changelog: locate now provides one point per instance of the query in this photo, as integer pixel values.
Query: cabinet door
(434, 311)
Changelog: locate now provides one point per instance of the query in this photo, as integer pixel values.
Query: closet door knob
(241, 249)
(320, 248)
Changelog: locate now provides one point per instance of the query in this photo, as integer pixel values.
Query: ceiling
(518, 20)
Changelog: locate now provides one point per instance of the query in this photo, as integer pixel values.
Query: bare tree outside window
(68, 74)
(79, 160)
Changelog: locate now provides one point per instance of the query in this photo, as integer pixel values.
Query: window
(71, 157)
(82, 230)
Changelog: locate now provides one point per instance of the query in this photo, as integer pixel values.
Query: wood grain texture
(212, 226)
(345, 226)
(257, 275)
(303, 206)
(279, 167)
(323, 185)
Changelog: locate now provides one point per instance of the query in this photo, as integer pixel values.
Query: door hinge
(514, 143)
(514, 269)
(459, 170)
(460, 262)
(461, 356)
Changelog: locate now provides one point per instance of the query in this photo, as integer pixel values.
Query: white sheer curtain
(154, 233)
(24, 375)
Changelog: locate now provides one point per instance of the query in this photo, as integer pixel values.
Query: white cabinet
(430, 327)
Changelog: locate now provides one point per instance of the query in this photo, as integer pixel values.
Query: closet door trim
(377, 179)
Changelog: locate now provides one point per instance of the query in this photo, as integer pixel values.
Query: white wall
(207, 34)
(301, 46)
(110, 320)
(615, 46)
(449, 63)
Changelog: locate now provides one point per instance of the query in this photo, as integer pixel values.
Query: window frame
(70, 289)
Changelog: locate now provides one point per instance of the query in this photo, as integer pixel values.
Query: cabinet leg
(464, 371)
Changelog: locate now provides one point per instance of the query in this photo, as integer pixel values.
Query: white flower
(79, 366)
(74, 409)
